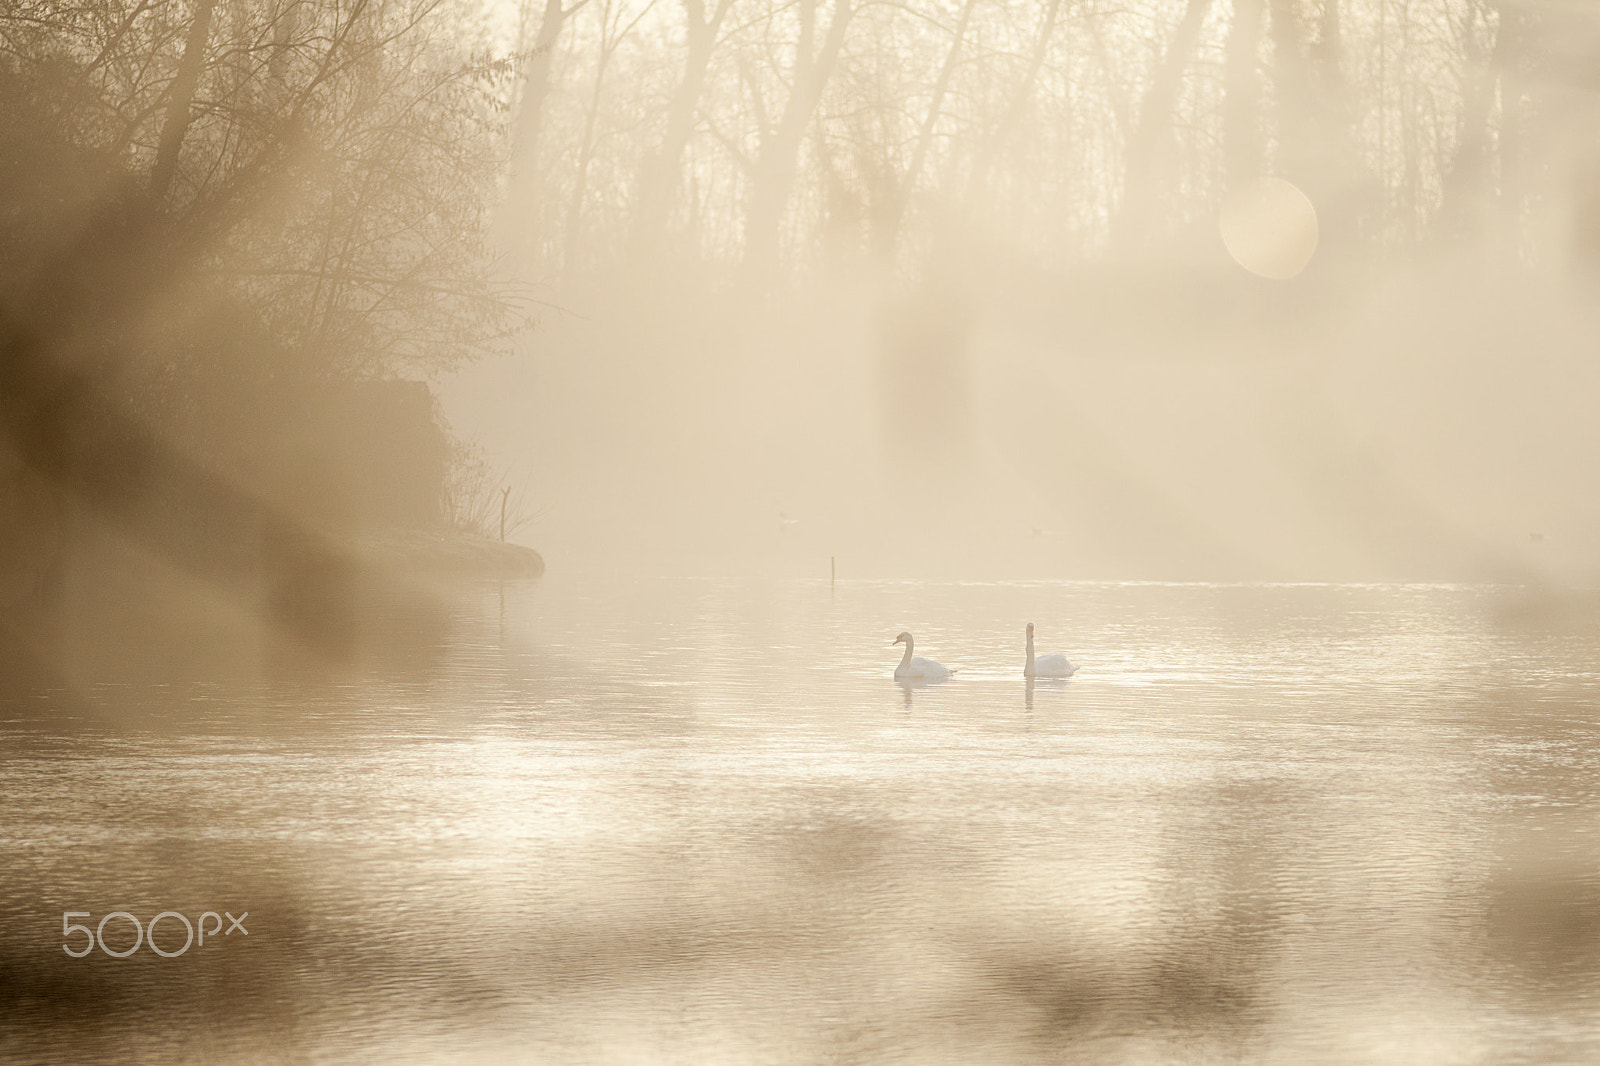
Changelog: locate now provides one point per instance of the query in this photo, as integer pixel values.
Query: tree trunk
(1296, 118)
(660, 176)
(523, 208)
(1514, 43)
(180, 97)
(978, 185)
(1339, 179)
(1155, 116)
(890, 232)
(1241, 122)
(580, 183)
(1316, 147)
(776, 163)
(1466, 179)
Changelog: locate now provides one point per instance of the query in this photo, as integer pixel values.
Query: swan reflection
(1056, 685)
(909, 684)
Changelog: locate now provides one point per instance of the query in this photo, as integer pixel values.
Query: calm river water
(697, 822)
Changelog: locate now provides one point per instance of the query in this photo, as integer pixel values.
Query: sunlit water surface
(697, 822)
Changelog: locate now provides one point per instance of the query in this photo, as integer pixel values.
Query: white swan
(1053, 665)
(918, 668)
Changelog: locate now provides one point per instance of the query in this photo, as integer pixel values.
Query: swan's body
(914, 668)
(1052, 665)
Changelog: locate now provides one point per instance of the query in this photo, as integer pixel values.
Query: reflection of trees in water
(1540, 908)
(1542, 917)
(821, 918)
(1050, 688)
(31, 530)
(1264, 879)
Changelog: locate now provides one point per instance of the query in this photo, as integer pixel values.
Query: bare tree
(1143, 154)
(892, 219)
(1241, 120)
(780, 145)
(523, 213)
(332, 168)
(1020, 97)
(661, 175)
(180, 97)
(612, 33)
(1464, 182)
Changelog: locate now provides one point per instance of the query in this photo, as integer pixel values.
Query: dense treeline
(215, 213)
(233, 237)
(328, 161)
(760, 132)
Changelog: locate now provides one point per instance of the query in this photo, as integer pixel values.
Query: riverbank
(448, 554)
(113, 602)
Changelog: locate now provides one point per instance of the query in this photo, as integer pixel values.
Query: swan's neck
(905, 660)
(1030, 651)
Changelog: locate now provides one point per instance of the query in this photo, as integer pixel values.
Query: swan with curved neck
(914, 668)
(1052, 665)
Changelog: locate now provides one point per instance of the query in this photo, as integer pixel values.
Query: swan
(1053, 665)
(918, 668)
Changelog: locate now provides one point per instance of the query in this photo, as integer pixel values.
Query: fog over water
(470, 471)
(687, 820)
(1432, 425)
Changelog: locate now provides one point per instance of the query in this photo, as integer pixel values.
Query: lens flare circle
(1270, 228)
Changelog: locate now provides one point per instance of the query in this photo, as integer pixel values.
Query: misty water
(685, 821)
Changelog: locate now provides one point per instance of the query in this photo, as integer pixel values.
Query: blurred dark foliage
(190, 424)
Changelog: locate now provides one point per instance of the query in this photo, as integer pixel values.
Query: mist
(1199, 291)
(998, 330)
(799, 530)
(1431, 426)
